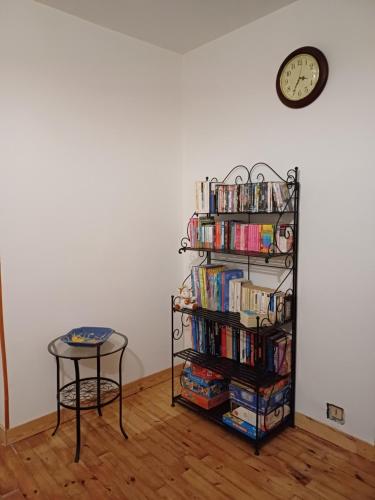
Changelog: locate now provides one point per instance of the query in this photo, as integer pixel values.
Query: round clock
(302, 77)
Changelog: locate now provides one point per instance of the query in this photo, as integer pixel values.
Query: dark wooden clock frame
(323, 76)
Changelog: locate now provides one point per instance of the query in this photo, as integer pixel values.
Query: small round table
(90, 393)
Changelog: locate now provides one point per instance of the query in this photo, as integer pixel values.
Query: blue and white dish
(86, 336)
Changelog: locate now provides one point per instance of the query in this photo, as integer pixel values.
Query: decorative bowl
(87, 336)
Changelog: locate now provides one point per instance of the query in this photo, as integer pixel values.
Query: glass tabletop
(116, 342)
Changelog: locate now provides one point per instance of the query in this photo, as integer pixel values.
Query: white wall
(232, 115)
(90, 173)
(90, 148)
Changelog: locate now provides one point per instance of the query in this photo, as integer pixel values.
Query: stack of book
(210, 285)
(212, 197)
(272, 409)
(210, 233)
(203, 387)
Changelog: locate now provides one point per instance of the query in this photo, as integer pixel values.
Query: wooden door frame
(4, 361)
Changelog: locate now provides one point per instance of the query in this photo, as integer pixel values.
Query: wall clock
(302, 77)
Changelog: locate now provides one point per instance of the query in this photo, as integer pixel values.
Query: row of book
(208, 390)
(214, 197)
(262, 302)
(207, 232)
(218, 288)
(272, 352)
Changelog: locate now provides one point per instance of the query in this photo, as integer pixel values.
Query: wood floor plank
(175, 454)
(217, 480)
(26, 482)
(13, 495)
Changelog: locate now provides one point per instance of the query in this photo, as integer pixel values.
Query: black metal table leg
(120, 395)
(78, 411)
(57, 395)
(98, 380)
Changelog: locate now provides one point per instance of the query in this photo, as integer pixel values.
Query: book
(265, 421)
(202, 401)
(246, 397)
(266, 237)
(249, 318)
(240, 425)
(207, 388)
(279, 353)
(202, 197)
(204, 373)
(228, 275)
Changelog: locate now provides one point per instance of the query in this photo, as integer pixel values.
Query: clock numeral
(288, 73)
(289, 88)
(299, 93)
(306, 90)
(311, 83)
(293, 66)
(286, 81)
(305, 62)
(299, 62)
(311, 65)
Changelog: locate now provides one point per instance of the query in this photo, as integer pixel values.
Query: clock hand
(294, 90)
(299, 78)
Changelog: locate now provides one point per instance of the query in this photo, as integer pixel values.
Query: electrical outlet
(335, 413)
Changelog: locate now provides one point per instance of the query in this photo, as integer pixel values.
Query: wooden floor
(172, 453)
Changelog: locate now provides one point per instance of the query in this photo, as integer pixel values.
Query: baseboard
(345, 441)
(36, 426)
(150, 380)
(3, 436)
(46, 422)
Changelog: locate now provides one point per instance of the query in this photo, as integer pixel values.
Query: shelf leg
(256, 360)
(78, 411)
(98, 380)
(172, 351)
(57, 395)
(120, 395)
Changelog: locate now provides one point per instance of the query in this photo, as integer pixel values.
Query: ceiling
(178, 25)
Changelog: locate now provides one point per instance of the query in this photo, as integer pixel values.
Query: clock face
(302, 77)
(299, 77)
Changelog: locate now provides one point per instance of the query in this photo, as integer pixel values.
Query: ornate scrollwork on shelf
(291, 176)
(238, 179)
(280, 308)
(185, 241)
(177, 334)
(289, 261)
(290, 179)
(185, 322)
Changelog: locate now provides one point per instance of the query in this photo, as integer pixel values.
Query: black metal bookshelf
(254, 377)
